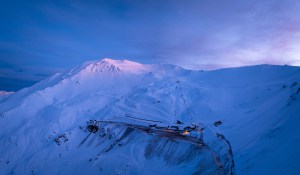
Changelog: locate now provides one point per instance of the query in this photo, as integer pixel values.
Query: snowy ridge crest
(5, 93)
(102, 66)
(113, 66)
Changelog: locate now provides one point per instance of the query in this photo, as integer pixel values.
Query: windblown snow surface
(43, 128)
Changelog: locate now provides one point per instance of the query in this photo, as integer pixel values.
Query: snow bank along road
(189, 134)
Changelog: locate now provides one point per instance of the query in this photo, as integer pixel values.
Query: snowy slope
(43, 127)
(4, 94)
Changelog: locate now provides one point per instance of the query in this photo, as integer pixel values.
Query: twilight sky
(38, 38)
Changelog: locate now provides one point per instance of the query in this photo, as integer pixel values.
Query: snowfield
(249, 118)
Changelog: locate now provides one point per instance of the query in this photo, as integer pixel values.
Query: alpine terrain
(126, 118)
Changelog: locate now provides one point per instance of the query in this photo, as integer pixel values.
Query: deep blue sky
(38, 38)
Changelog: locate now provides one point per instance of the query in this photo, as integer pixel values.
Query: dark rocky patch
(217, 123)
(62, 138)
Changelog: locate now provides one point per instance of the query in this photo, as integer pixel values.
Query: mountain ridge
(254, 108)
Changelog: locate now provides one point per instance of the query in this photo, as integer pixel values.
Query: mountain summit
(107, 65)
(122, 117)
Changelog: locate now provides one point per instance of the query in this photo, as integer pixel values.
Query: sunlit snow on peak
(128, 66)
(114, 66)
(101, 67)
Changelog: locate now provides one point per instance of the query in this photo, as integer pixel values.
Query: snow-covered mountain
(249, 115)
